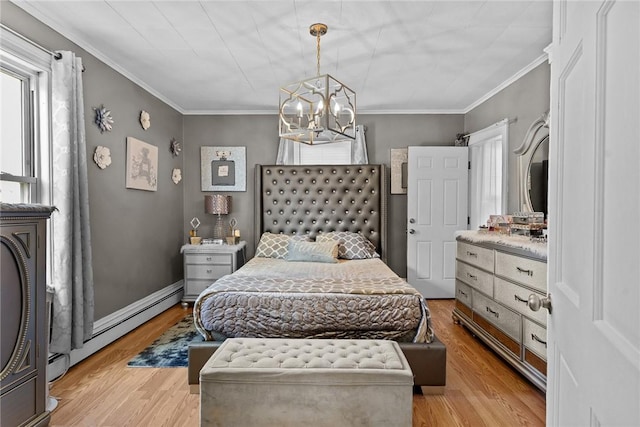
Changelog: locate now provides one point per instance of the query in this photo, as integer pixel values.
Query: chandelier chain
(318, 52)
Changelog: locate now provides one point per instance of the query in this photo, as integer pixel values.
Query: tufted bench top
(317, 361)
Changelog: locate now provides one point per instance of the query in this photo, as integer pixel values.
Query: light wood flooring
(481, 390)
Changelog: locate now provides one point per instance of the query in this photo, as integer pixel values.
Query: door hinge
(468, 220)
(469, 164)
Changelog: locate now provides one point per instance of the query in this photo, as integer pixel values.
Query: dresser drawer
(475, 255)
(208, 258)
(474, 277)
(535, 338)
(515, 296)
(503, 318)
(523, 270)
(463, 293)
(212, 272)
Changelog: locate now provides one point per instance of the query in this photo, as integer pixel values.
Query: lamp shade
(217, 204)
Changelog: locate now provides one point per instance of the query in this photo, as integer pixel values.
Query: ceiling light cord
(318, 52)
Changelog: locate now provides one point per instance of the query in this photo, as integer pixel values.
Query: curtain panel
(286, 151)
(71, 269)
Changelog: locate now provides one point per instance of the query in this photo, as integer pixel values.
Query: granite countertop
(521, 243)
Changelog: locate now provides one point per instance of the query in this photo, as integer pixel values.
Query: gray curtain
(71, 269)
(359, 155)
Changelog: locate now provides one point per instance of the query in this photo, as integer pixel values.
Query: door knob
(412, 221)
(412, 231)
(535, 302)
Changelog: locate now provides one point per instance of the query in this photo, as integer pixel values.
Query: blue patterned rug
(171, 349)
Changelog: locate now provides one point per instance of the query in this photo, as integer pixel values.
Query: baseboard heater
(116, 325)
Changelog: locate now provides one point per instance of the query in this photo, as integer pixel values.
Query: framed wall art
(223, 168)
(399, 170)
(142, 165)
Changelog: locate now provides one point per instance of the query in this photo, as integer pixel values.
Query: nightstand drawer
(474, 277)
(195, 287)
(505, 319)
(208, 258)
(475, 255)
(516, 297)
(212, 272)
(523, 270)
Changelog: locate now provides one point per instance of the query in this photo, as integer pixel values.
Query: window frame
(32, 64)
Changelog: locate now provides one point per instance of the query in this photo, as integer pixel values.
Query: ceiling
(231, 57)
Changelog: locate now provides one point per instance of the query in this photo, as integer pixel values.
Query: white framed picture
(223, 168)
(142, 165)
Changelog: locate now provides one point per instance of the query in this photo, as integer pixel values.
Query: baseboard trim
(109, 328)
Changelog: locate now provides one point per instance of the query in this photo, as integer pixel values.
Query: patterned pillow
(276, 245)
(351, 245)
(313, 251)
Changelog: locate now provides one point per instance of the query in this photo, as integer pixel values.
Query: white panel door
(594, 215)
(436, 207)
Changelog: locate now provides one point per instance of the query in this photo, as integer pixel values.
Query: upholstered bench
(314, 382)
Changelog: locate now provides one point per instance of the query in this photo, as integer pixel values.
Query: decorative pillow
(313, 251)
(351, 245)
(276, 245)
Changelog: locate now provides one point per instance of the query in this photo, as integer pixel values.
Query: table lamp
(218, 204)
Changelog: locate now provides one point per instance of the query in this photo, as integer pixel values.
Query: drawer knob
(471, 276)
(209, 270)
(473, 254)
(535, 302)
(209, 258)
(461, 292)
(412, 231)
(527, 272)
(536, 338)
(495, 313)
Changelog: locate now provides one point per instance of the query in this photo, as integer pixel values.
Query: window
(488, 174)
(24, 130)
(335, 153)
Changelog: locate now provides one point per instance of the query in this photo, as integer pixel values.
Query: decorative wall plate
(103, 119)
(176, 176)
(175, 147)
(145, 120)
(102, 156)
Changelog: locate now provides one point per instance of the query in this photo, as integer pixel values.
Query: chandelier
(320, 109)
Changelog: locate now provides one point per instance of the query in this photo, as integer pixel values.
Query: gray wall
(525, 100)
(260, 135)
(136, 234)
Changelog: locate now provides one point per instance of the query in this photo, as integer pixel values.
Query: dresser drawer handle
(526, 301)
(473, 254)
(495, 313)
(209, 271)
(461, 292)
(536, 338)
(471, 276)
(209, 258)
(527, 272)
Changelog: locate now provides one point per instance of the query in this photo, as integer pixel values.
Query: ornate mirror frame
(537, 132)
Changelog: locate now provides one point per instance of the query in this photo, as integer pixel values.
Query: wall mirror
(533, 167)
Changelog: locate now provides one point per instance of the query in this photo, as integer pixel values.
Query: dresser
(23, 315)
(495, 277)
(204, 264)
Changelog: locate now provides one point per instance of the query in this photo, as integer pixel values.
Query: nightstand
(204, 264)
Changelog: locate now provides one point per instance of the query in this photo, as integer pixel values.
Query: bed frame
(314, 199)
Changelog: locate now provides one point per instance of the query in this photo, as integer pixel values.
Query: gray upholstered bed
(310, 201)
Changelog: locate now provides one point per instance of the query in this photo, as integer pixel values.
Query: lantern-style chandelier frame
(320, 109)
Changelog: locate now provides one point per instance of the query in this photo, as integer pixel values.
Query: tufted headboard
(315, 199)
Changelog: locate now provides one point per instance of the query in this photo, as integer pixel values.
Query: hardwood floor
(481, 390)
